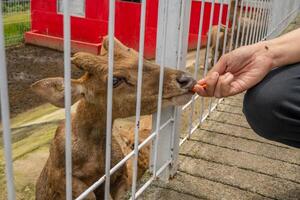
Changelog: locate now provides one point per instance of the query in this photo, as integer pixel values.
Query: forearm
(285, 49)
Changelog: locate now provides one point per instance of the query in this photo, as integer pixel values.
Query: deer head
(92, 86)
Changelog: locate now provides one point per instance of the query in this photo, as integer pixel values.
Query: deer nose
(185, 81)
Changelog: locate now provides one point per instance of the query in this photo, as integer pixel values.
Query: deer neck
(90, 122)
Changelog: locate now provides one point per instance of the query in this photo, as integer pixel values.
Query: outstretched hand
(237, 71)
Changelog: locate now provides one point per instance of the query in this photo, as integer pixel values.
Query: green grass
(15, 25)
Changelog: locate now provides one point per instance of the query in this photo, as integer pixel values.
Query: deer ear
(120, 50)
(52, 90)
(86, 61)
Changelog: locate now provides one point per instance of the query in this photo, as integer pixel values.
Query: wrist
(270, 50)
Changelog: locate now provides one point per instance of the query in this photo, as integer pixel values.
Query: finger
(200, 90)
(217, 92)
(223, 86)
(211, 81)
(201, 82)
(226, 85)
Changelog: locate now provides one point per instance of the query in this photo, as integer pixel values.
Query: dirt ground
(27, 64)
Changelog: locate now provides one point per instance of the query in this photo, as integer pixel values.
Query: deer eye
(117, 81)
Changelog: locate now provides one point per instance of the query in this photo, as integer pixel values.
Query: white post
(4, 108)
(177, 15)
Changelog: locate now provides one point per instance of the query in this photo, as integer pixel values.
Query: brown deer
(214, 37)
(89, 120)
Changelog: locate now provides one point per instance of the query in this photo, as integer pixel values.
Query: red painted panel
(91, 28)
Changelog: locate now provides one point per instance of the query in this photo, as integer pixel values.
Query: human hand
(237, 71)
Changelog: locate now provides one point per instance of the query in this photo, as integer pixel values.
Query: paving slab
(229, 118)
(229, 109)
(242, 160)
(237, 131)
(206, 189)
(266, 186)
(163, 193)
(248, 146)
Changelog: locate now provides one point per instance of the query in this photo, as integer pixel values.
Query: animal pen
(246, 22)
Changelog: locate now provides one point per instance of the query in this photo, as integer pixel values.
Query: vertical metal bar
(138, 98)
(197, 61)
(217, 45)
(226, 29)
(256, 24)
(260, 37)
(6, 116)
(253, 24)
(67, 76)
(208, 42)
(244, 24)
(239, 24)
(218, 32)
(181, 64)
(233, 25)
(111, 33)
(209, 36)
(259, 22)
(161, 79)
(249, 23)
(266, 31)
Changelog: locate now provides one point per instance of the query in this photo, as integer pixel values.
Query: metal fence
(16, 20)
(247, 22)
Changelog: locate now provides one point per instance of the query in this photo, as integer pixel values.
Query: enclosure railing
(252, 21)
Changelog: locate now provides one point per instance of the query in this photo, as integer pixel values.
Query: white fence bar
(197, 62)
(233, 24)
(138, 100)
(161, 79)
(111, 33)
(218, 31)
(253, 22)
(171, 12)
(207, 53)
(209, 37)
(226, 29)
(267, 21)
(251, 11)
(180, 56)
(6, 117)
(259, 22)
(239, 24)
(260, 37)
(256, 24)
(67, 79)
(244, 24)
(217, 44)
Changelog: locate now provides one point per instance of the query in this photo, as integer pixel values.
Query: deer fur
(89, 120)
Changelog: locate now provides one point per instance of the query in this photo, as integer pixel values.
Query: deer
(245, 21)
(89, 120)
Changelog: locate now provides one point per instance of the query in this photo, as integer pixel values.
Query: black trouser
(272, 107)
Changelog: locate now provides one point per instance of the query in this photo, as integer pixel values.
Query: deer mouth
(181, 99)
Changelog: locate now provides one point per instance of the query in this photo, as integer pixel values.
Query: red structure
(88, 30)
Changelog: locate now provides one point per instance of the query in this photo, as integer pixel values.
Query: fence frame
(172, 45)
